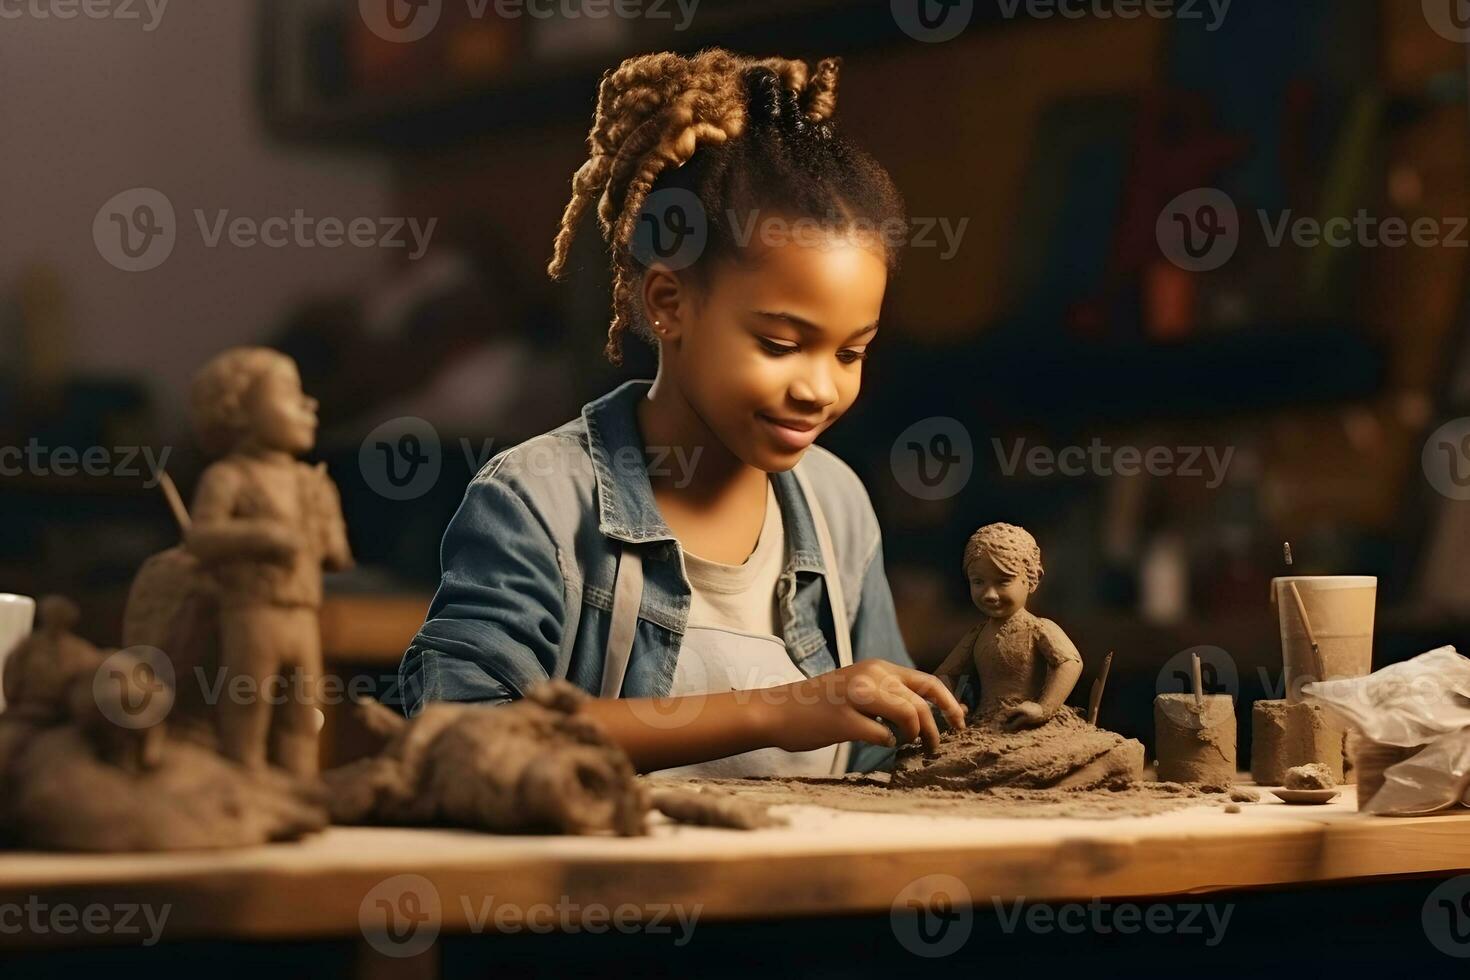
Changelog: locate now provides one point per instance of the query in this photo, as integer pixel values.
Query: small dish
(1306, 797)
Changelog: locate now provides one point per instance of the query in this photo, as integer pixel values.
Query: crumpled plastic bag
(1420, 702)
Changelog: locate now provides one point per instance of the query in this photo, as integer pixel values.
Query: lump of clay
(1311, 776)
(1022, 735)
(82, 768)
(1065, 752)
(532, 766)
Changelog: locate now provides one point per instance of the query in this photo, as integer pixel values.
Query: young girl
(682, 549)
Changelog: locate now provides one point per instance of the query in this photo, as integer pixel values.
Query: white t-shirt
(741, 597)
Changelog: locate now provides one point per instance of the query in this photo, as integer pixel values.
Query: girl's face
(779, 339)
(996, 592)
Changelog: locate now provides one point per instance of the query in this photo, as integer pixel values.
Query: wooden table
(826, 862)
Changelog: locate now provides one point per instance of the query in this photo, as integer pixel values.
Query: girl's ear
(666, 301)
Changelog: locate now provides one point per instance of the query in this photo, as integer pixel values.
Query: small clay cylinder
(1284, 735)
(1195, 743)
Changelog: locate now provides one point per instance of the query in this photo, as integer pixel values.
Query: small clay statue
(533, 766)
(86, 766)
(242, 596)
(1023, 734)
(1025, 664)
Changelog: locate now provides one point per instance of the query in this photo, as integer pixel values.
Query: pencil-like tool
(1199, 687)
(1094, 700)
(175, 502)
(1301, 608)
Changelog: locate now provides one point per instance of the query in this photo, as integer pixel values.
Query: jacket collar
(626, 509)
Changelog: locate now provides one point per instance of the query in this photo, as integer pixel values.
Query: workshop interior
(1179, 341)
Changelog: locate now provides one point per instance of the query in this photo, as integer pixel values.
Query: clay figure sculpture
(530, 767)
(86, 762)
(1023, 734)
(239, 602)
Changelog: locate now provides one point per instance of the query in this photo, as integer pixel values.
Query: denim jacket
(529, 562)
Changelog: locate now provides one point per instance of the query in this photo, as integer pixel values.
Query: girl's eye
(852, 356)
(778, 349)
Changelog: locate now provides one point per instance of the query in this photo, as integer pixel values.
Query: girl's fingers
(930, 687)
(923, 715)
(895, 704)
(870, 730)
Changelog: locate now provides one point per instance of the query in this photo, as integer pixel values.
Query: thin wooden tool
(1094, 700)
(1199, 687)
(175, 502)
(1301, 608)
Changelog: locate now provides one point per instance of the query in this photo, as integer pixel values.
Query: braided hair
(743, 136)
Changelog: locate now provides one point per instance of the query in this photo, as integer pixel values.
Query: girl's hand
(846, 705)
(1027, 714)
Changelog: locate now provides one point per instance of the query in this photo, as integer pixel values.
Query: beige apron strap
(627, 596)
(834, 596)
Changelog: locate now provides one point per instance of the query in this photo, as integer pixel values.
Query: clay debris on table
(1065, 752)
(871, 793)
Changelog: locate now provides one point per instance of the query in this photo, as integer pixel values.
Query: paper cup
(17, 617)
(1340, 608)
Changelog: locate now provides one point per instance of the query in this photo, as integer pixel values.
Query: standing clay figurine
(1023, 734)
(264, 526)
(1026, 665)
